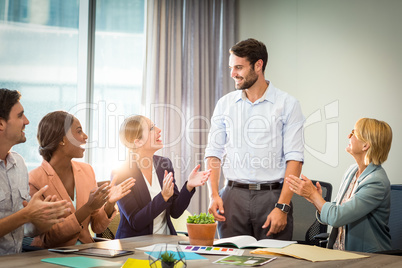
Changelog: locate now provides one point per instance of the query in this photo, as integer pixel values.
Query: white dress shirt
(160, 225)
(255, 140)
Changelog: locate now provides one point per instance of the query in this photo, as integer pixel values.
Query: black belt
(256, 187)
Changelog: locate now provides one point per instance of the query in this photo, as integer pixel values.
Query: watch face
(286, 208)
(283, 207)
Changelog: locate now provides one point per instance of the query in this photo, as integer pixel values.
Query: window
(40, 56)
(119, 50)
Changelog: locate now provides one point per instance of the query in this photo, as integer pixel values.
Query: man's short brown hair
(8, 98)
(251, 49)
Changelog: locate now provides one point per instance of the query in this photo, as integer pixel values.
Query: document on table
(310, 253)
(152, 247)
(247, 241)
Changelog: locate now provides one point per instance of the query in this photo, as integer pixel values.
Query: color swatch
(212, 250)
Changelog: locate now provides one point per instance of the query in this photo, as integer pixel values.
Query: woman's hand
(197, 178)
(168, 186)
(305, 188)
(98, 197)
(119, 191)
(116, 193)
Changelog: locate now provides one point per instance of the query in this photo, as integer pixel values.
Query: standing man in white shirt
(256, 138)
(18, 211)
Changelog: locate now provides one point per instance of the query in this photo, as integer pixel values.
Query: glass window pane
(119, 50)
(38, 55)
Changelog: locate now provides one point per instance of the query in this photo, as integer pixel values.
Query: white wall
(344, 56)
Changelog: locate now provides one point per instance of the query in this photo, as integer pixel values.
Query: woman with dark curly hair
(61, 139)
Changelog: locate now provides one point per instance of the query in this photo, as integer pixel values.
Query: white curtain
(186, 73)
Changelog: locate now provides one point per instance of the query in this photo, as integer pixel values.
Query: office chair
(395, 219)
(306, 228)
(110, 232)
(179, 224)
(26, 244)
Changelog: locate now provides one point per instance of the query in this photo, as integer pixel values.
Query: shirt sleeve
(217, 134)
(30, 230)
(293, 141)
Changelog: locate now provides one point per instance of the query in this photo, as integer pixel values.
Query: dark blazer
(137, 209)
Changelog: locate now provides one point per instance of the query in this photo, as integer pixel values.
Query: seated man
(18, 210)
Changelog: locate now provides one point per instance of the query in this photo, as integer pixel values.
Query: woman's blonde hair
(378, 135)
(131, 129)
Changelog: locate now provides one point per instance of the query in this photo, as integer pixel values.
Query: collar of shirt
(269, 95)
(10, 161)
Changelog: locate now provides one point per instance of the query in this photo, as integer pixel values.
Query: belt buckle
(254, 187)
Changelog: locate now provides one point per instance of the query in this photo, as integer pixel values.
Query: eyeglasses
(352, 133)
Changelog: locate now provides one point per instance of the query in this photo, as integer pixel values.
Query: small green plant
(168, 257)
(203, 218)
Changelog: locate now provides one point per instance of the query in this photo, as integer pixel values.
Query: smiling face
(15, 125)
(74, 141)
(356, 147)
(140, 135)
(151, 137)
(242, 72)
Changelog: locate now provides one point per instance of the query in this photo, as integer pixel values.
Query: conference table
(33, 258)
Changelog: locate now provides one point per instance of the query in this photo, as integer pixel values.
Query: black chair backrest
(305, 225)
(395, 218)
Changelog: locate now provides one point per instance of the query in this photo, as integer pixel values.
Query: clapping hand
(44, 213)
(197, 178)
(168, 186)
(119, 191)
(98, 196)
(303, 187)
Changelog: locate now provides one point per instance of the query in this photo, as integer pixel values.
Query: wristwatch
(284, 207)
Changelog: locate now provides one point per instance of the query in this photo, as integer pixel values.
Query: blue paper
(187, 255)
(81, 262)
